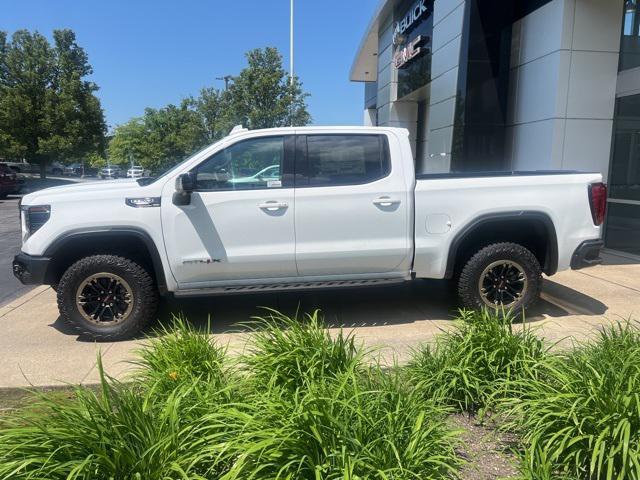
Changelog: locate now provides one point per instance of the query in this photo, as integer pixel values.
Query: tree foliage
(261, 96)
(48, 109)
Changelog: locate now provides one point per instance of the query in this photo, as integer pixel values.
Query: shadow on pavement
(352, 308)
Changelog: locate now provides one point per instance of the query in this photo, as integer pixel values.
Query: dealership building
(494, 85)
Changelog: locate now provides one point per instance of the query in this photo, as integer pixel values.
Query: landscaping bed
(485, 401)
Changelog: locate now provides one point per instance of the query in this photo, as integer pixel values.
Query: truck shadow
(422, 300)
(362, 307)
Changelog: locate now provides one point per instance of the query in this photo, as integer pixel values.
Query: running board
(283, 287)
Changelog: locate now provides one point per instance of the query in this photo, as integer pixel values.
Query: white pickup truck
(302, 208)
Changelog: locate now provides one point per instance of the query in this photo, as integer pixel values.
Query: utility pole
(227, 79)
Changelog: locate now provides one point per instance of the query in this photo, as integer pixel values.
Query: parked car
(110, 172)
(347, 210)
(22, 167)
(9, 182)
(75, 169)
(137, 172)
(56, 169)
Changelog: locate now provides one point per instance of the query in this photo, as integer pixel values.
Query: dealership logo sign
(414, 13)
(404, 55)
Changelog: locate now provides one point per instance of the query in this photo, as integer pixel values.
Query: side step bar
(283, 287)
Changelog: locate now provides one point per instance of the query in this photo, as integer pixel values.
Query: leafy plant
(472, 364)
(181, 354)
(291, 352)
(354, 426)
(117, 432)
(581, 415)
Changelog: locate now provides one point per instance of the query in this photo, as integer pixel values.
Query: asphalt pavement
(10, 233)
(10, 288)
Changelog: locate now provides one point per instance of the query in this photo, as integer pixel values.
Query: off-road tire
(469, 280)
(144, 294)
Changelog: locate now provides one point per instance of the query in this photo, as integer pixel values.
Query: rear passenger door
(351, 207)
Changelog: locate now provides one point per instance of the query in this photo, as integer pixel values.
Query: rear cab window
(324, 160)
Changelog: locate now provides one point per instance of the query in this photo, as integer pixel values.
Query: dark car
(9, 183)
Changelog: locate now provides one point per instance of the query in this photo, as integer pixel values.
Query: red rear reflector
(598, 202)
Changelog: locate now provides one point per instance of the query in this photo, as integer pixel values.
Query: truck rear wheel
(502, 275)
(107, 297)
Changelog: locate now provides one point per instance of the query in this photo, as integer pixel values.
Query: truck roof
(317, 128)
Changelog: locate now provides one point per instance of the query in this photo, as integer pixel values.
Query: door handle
(272, 206)
(386, 201)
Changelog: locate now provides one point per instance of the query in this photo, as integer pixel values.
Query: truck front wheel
(502, 275)
(107, 297)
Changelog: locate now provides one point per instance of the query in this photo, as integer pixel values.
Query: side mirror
(185, 185)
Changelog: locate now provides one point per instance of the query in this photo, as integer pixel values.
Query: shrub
(477, 361)
(116, 433)
(292, 352)
(307, 408)
(581, 417)
(354, 426)
(181, 355)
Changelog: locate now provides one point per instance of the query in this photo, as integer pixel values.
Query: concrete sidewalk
(37, 349)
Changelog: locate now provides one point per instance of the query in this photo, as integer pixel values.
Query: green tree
(160, 138)
(48, 110)
(263, 96)
(214, 106)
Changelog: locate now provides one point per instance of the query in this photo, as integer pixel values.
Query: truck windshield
(149, 180)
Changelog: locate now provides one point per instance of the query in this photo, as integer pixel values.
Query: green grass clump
(307, 407)
(358, 425)
(116, 433)
(580, 418)
(291, 352)
(477, 361)
(181, 355)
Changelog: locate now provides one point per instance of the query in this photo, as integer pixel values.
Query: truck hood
(84, 191)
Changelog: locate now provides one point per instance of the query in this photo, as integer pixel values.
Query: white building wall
(564, 69)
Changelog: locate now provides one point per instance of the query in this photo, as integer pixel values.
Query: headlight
(32, 217)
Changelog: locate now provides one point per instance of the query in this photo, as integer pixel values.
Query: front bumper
(31, 270)
(587, 254)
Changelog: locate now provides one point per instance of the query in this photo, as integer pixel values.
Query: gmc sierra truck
(302, 208)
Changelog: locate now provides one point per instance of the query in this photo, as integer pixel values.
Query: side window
(346, 159)
(246, 165)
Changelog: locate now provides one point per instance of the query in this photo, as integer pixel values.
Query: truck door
(352, 208)
(239, 224)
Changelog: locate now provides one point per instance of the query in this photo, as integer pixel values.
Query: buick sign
(409, 19)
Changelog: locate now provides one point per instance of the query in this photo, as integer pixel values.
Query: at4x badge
(201, 261)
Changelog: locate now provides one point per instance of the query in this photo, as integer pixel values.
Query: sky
(148, 53)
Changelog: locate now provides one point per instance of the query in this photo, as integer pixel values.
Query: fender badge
(201, 261)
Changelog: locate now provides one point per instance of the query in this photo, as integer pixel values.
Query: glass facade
(623, 220)
(417, 73)
(630, 45)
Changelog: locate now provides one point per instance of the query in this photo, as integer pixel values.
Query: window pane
(345, 159)
(623, 227)
(250, 164)
(624, 181)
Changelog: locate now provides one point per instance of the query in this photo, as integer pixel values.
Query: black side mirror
(185, 185)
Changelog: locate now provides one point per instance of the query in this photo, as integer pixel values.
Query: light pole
(291, 45)
(291, 61)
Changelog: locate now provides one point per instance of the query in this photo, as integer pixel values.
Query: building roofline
(365, 63)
